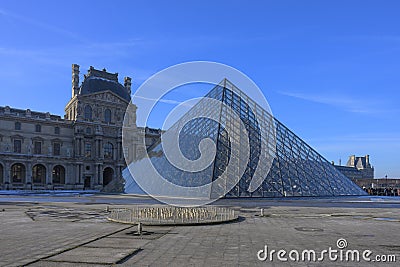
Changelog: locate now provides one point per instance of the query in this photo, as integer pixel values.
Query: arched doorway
(108, 174)
(39, 174)
(1, 174)
(18, 173)
(58, 175)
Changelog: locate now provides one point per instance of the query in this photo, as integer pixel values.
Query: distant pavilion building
(357, 168)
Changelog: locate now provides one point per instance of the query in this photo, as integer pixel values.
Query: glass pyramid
(277, 164)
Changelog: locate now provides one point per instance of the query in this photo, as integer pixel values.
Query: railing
(167, 215)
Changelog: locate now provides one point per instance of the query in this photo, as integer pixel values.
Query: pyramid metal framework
(295, 168)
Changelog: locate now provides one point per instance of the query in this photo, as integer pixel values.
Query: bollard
(262, 213)
(139, 228)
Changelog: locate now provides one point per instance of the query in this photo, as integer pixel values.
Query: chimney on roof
(367, 161)
(352, 161)
(75, 79)
(128, 84)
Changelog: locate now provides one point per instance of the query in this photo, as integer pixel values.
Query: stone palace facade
(83, 150)
(357, 168)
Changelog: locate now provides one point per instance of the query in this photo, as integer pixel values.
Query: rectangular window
(108, 151)
(56, 149)
(107, 116)
(17, 146)
(88, 150)
(38, 128)
(37, 147)
(18, 126)
(57, 130)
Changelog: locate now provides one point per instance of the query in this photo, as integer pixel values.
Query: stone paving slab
(43, 238)
(45, 263)
(149, 233)
(36, 240)
(125, 243)
(95, 255)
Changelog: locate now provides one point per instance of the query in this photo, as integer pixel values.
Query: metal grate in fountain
(169, 215)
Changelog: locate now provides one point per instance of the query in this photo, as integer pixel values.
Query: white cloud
(41, 25)
(167, 101)
(347, 103)
(323, 99)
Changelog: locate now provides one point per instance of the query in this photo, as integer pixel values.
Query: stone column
(77, 174)
(82, 179)
(120, 153)
(96, 148)
(28, 172)
(98, 178)
(119, 172)
(68, 174)
(7, 172)
(82, 147)
(28, 176)
(98, 174)
(101, 174)
(114, 152)
(78, 147)
(101, 156)
(7, 175)
(49, 178)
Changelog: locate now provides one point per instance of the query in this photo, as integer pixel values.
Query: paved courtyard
(74, 231)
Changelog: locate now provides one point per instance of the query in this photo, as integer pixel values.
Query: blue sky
(329, 69)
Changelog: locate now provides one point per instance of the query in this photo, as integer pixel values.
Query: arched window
(107, 116)
(88, 112)
(39, 174)
(18, 173)
(58, 175)
(88, 130)
(108, 151)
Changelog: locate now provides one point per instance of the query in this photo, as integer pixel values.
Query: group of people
(383, 191)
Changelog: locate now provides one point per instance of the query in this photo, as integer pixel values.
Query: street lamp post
(387, 186)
